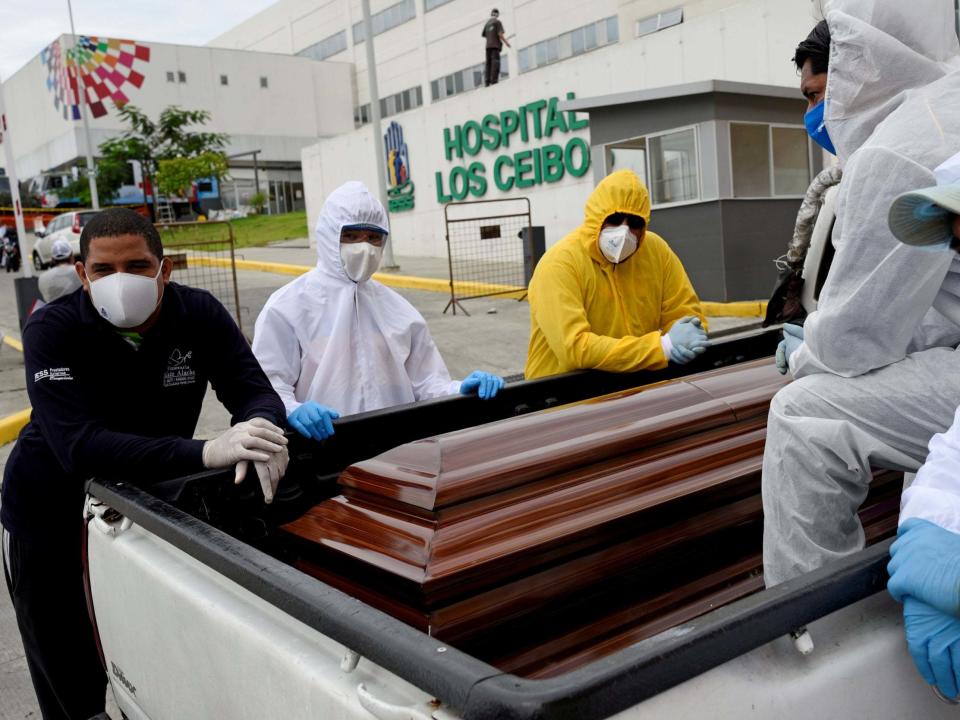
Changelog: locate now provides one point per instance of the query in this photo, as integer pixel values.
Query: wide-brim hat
(924, 218)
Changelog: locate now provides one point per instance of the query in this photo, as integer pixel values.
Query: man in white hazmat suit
(336, 342)
(876, 375)
(925, 560)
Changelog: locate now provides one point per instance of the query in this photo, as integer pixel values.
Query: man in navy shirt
(116, 374)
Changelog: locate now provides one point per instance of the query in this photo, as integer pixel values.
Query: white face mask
(617, 243)
(125, 300)
(360, 260)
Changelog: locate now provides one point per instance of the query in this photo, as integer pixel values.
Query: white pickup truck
(196, 622)
(199, 616)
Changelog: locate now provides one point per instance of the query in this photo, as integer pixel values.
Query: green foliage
(111, 174)
(258, 201)
(152, 142)
(175, 175)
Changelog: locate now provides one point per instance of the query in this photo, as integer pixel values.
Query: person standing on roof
(612, 295)
(62, 277)
(876, 374)
(495, 38)
(336, 342)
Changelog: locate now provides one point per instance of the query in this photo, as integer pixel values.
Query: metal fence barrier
(484, 249)
(203, 257)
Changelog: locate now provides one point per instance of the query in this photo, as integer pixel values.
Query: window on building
(263, 82)
(224, 80)
(791, 160)
(667, 163)
(386, 19)
(328, 47)
(569, 44)
(769, 161)
(660, 21)
(170, 76)
(181, 76)
(629, 155)
(750, 159)
(464, 80)
(400, 102)
(674, 167)
(429, 5)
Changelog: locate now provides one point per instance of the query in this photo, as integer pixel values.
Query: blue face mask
(817, 129)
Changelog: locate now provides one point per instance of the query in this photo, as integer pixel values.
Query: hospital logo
(179, 371)
(400, 190)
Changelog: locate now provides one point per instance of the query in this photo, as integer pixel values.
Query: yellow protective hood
(619, 192)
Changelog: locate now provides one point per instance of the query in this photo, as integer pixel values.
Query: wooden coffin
(546, 540)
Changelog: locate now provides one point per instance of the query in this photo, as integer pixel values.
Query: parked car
(66, 227)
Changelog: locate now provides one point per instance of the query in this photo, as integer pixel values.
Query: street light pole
(388, 262)
(82, 101)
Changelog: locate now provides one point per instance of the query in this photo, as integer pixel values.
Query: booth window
(629, 155)
(668, 164)
(674, 167)
(769, 160)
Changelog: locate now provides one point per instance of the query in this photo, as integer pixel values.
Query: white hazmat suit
(350, 346)
(876, 375)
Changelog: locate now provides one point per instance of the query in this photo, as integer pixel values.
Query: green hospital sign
(547, 163)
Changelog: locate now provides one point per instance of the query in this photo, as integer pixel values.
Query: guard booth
(727, 165)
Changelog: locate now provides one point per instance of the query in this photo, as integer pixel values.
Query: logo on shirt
(179, 372)
(53, 374)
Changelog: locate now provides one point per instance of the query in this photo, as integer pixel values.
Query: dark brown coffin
(544, 541)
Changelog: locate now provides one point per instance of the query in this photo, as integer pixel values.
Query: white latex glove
(255, 440)
(269, 473)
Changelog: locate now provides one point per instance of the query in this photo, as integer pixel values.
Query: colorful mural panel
(107, 67)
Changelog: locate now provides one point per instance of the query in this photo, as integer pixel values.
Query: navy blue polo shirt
(105, 408)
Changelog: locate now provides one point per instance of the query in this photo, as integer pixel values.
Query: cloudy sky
(30, 25)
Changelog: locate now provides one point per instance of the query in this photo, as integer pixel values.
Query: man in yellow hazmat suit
(612, 295)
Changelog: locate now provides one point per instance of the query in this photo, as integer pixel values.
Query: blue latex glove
(925, 564)
(313, 420)
(933, 640)
(485, 385)
(688, 338)
(792, 339)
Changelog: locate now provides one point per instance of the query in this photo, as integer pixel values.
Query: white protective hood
(353, 347)
(893, 114)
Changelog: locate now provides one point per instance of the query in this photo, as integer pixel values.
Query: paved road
(494, 338)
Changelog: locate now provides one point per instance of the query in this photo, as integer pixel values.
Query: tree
(111, 174)
(176, 175)
(150, 142)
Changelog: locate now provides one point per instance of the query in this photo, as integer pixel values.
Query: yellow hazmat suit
(587, 312)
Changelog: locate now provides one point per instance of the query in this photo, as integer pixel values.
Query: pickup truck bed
(196, 622)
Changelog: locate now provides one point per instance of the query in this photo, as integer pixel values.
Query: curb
(11, 425)
(13, 342)
(746, 308)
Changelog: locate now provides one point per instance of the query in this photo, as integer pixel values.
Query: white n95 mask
(125, 300)
(360, 260)
(617, 243)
